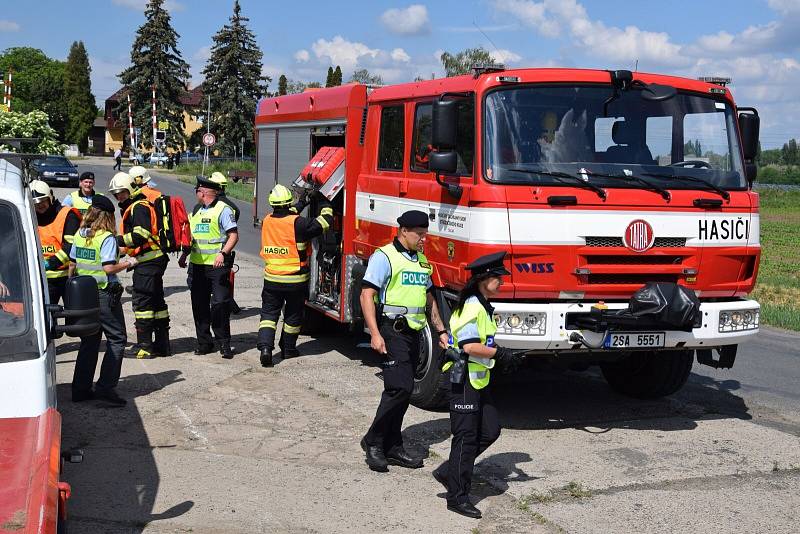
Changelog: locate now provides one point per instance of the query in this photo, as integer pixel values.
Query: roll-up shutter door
(294, 151)
(266, 170)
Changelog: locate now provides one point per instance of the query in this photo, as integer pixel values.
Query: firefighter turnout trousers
(210, 288)
(150, 309)
(272, 301)
(398, 383)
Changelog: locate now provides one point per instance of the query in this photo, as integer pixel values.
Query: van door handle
(372, 204)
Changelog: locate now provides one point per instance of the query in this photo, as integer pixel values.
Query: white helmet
(121, 181)
(41, 191)
(139, 174)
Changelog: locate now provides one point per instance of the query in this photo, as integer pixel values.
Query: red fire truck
(595, 182)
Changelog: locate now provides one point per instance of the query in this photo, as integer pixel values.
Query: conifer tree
(337, 76)
(329, 79)
(156, 60)
(282, 85)
(234, 81)
(80, 104)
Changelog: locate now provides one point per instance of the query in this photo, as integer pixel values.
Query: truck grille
(634, 260)
(627, 278)
(660, 242)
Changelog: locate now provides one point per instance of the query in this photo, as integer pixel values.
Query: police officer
(214, 234)
(57, 227)
(95, 253)
(285, 237)
(139, 239)
(219, 178)
(473, 417)
(81, 199)
(142, 179)
(396, 289)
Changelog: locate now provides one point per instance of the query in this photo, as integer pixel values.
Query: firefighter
(95, 253)
(220, 179)
(138, 237)
(81, 199)
(214, 234)
(285, 237)
(397, 288)
(57, 227)
(142, 179)
(473, 416)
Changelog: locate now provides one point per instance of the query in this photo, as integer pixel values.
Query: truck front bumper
(544, 327)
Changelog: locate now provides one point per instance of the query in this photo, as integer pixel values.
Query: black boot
(161, 346)
(144, 341)
(288, 346)
(225, 349)
(235, 309)
(266, 357)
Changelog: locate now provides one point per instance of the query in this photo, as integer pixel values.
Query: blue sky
(756, 42)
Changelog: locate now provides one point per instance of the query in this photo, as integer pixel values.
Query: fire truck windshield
(14, 291)
(572, 129)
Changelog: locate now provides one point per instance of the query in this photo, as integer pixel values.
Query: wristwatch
(440, 332)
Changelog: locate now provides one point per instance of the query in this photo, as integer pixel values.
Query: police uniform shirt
(470, 332)
(227, 221)
(108, 253)
(379, 270)
(68, 200)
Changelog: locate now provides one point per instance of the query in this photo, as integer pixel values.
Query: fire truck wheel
(430, 392)
(649, 375)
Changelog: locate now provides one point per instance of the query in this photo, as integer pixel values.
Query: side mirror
(81, 308)
(750, 172)
(445, 121)
(749, 125)
(443, 162)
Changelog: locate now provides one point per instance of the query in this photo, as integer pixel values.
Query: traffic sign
(163, 125)
(209, 139)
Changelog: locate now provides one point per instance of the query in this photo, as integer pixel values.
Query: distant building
(116, 125)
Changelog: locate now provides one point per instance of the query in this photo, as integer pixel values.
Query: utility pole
(155, 125)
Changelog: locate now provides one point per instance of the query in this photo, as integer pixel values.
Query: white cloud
(412, 20)
(139, 5)
(340, 51)
(398, 54)
(302, 56)
(203, 54)
(8, 26)
(785, 6)
(505, 56)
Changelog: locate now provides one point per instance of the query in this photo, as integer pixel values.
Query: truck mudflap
(550, 327)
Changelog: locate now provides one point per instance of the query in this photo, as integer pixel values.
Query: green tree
(329, 78)
(313, 85)
(282, 85)
(337, 76)
(234, 82)
(364, 76)
(37, 84)
(156, 60)
(33, 124)
(295, 86)
(81, 109)
(462, 62)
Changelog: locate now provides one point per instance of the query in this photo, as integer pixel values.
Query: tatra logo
(639, 236)
(725, 229)
(534, 268)
(202, 228)
(276, 250)
(413, 279)
(48, 249)
(85, 254)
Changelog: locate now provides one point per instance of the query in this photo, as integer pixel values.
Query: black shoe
(375, 458)
(109, 395)
(465, 509)
(399, 456)
(80, 396)
(204, 349)
(266, 357)
(225, 350)
(235, 309)
(441, 477)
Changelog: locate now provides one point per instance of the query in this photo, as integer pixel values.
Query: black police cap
(102, 203)
(202, 181)
(88, 175)
(489, 264)
(413, 219)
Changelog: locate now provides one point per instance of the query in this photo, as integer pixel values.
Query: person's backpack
(174, 234)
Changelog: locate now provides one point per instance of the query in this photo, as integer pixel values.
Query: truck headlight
(529, 324)
(739, 320)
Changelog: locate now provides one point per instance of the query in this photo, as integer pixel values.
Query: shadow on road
(115, 488)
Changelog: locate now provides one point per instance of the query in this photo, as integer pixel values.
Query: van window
(421, 142)
(392, 139)
(15, 308)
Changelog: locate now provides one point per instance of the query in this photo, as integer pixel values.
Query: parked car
(158, 158)
(56, 171)
(188, 157)
(138, 158)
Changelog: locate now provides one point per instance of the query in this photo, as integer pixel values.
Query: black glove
(503, 353)
(508, 361)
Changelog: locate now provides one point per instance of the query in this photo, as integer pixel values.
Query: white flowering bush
(33, 124)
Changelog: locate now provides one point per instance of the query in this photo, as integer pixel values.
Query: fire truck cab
(595, 183)
(32, 497)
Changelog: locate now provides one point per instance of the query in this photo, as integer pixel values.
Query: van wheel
(649, 375)
(430, 383)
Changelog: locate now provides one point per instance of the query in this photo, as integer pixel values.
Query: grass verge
(235, 190)
(778, 287)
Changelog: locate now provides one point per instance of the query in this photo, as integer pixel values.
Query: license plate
(625, 340)
(62, 178)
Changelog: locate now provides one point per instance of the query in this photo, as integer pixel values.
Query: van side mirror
(81, 309)
(444, 127)
(443, 162)
(749, 125)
